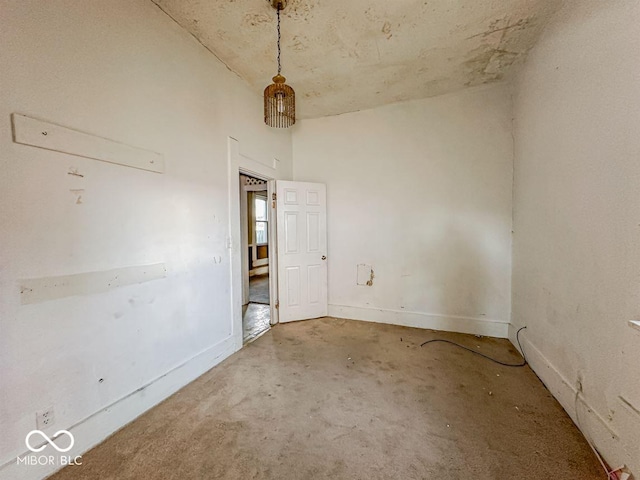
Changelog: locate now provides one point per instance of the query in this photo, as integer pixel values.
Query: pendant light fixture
(279, 98)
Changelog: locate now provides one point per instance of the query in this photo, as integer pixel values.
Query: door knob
(324, 257)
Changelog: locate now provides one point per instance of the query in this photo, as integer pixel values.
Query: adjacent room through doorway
(254, 213)
(416, 257)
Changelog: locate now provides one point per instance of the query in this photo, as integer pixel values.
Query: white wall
(577, 219)
(123, 70)
(422, 192)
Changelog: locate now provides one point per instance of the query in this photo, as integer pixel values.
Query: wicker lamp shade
(279, 98)
(279, 104)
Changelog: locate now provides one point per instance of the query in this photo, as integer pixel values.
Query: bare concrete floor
(255, 320)
(344, 399)
(259, 289)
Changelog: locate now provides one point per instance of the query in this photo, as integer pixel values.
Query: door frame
(273, 256)
(237, 164)
(244, 221)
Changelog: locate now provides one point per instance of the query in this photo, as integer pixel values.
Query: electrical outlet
(45, 418)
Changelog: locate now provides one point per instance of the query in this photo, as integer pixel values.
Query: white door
(302, 250)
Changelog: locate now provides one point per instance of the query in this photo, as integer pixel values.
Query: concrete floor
(259, 289)
(255, 320)
(344, 399)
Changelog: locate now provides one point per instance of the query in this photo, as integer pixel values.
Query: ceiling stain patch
(360, 54)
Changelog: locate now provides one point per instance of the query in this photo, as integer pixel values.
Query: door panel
(291, 232)
(313, 280)
(302, 249)
(313, 232)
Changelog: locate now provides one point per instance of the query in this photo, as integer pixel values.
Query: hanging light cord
(279, 66)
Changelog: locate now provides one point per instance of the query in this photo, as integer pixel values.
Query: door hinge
(274, 196)
(278, 304)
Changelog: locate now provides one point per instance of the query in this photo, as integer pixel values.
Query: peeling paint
(300, 9)
(365, 275)
(299, 42)
(370, 281)
(257, 19)
(386, 29)
(78, 194)
(503, 43)
(347, 56)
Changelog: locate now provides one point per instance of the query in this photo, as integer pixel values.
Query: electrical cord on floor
(522, 364)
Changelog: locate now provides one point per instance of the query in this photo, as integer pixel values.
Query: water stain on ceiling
(342, 56)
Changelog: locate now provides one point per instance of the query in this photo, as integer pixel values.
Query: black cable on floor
(522, 364)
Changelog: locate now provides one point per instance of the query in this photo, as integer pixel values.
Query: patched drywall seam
(36, 290)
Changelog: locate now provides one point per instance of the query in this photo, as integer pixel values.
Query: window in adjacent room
(261, 221)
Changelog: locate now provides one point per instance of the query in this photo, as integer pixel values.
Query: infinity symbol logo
(49, 440)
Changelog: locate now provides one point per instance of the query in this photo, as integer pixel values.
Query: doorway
(257, 255)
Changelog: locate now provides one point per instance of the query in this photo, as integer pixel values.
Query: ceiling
(347, 55)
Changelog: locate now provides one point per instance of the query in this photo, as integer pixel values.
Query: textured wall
(122, 70)
(342, 56)
(577, 219)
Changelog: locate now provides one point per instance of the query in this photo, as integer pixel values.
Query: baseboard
(594, 426)
(94, 429)
(449, 323)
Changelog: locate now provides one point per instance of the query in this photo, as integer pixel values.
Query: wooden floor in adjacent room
(345, 399)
